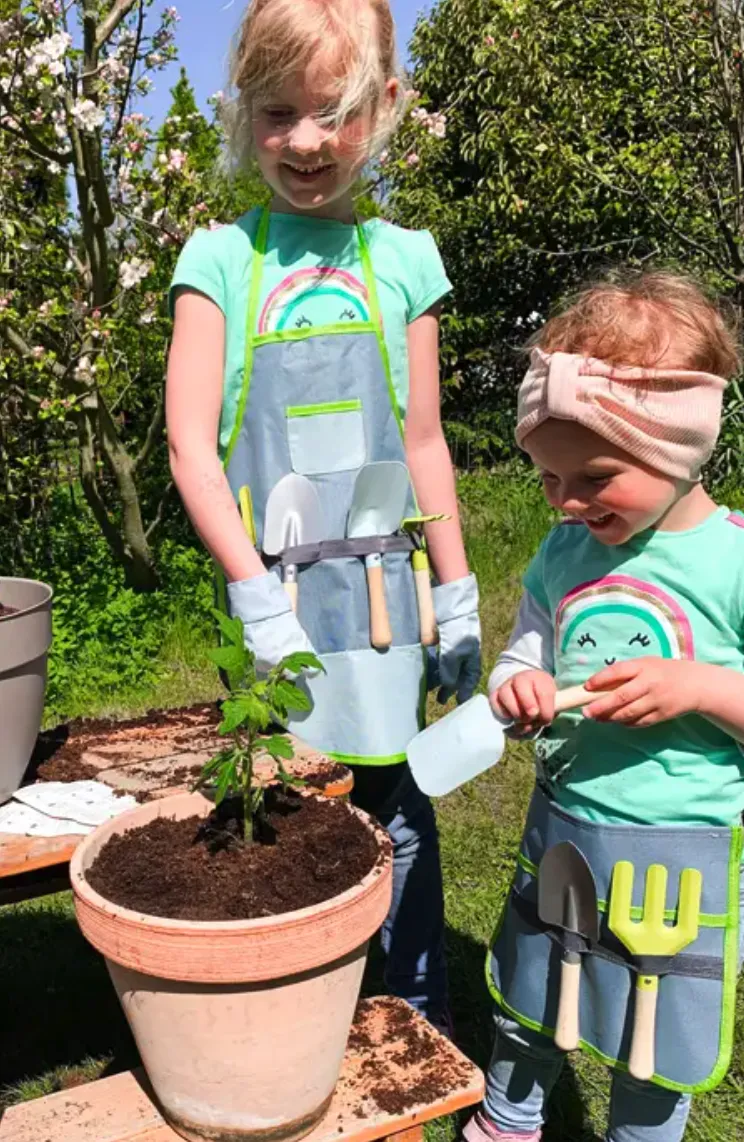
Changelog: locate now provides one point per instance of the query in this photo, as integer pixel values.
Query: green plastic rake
(652, 943)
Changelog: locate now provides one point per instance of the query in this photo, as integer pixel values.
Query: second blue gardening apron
(320, 402)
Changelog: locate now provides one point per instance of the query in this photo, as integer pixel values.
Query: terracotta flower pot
(25, 638)
(241, 1025)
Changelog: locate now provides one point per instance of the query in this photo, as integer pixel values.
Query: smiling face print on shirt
(316, 296)
(597, 624)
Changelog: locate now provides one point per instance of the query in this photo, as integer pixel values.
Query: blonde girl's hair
(638, 318)
(355, 39)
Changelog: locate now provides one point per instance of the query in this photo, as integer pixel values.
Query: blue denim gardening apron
(320, 402)
(697, 996)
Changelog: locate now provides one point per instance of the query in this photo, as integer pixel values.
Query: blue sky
(203, 38)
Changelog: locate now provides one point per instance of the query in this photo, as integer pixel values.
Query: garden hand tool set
(295, 533)
(567, 902)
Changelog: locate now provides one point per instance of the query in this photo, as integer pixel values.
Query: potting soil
(5, 611)
(310, 850)
(433, 1072)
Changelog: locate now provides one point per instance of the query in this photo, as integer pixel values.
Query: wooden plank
(26, 854)
(121, 1109)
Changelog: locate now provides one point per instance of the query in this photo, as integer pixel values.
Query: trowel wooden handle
(642, 1059)
(567, 1027)
(290, 585)
(573, 697)
(424, 598)
(380, 634)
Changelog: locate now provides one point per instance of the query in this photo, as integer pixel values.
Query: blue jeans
(413, 933)
(525, 1066)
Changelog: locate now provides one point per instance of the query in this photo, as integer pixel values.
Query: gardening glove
(456, 609)
(270, 625)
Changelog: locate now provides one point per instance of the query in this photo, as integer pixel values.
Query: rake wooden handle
(567, 1025)
(642, 1058)
(380, 632)
(424, 598)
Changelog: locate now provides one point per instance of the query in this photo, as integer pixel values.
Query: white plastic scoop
(465, 743)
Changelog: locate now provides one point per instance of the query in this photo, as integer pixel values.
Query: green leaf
(230, 658)
(288, 695)
(228, 779)
(231, 628)
(301, 660)
(279, 746)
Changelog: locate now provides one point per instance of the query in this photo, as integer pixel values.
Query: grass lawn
(60, 1021)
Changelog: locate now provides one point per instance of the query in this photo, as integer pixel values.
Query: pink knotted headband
(667, 418)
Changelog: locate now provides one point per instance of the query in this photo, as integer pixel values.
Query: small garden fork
(653, 944)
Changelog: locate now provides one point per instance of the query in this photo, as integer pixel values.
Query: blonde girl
(306, 343)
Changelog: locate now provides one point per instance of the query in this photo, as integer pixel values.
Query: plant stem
(248, 836)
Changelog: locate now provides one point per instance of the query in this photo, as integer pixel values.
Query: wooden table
(440, 1081)
(155, 758)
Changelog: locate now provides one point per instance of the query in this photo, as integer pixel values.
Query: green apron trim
(280, 335)
(706, 919)
(254, 298)
(294, 410)
(374, 308)
(363, 759)
(728, 1015)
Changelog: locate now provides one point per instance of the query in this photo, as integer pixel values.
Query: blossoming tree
(94, 204)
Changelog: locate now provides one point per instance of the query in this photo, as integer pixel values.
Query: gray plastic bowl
(25, 638)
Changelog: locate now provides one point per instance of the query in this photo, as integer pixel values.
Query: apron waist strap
(609, 948)
(309, 553)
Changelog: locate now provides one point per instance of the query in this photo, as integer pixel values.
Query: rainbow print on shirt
(318, 295)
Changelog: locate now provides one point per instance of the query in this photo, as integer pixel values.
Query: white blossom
(49, 54)
(114, 70)
(38, 352)
(437, 125)
(176, 161)
(84, 370)
(88, 115)
(413, 160)
(147, 317)
(133, 272)
(46, 308)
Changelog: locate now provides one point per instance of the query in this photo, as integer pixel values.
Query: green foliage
(578, 134)
(254, 705)
(107, 638)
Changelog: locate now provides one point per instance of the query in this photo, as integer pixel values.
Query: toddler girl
(639, 594)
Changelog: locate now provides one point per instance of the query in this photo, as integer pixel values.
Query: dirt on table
(310, 850)
(432, 1065)
(6, 610)
(59, 752)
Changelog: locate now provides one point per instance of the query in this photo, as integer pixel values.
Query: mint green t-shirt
(665, 594)
(312, 275)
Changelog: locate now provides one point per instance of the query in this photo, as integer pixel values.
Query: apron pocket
(326, 437)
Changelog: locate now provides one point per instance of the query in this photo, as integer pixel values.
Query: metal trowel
(567, 902)
(378, 505)
(294, 516)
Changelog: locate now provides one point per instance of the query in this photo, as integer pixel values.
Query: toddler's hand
(646, 691)
(528, 698)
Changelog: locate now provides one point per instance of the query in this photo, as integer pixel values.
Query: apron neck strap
(259, 253)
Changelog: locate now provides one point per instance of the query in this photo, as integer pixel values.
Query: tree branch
(120, 10)
(154, 435)
(160, 513)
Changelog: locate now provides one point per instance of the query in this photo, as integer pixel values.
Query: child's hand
(528, 698)
(646, 691)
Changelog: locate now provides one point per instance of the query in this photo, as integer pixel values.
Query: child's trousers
(413, 933)
(525, 1066)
